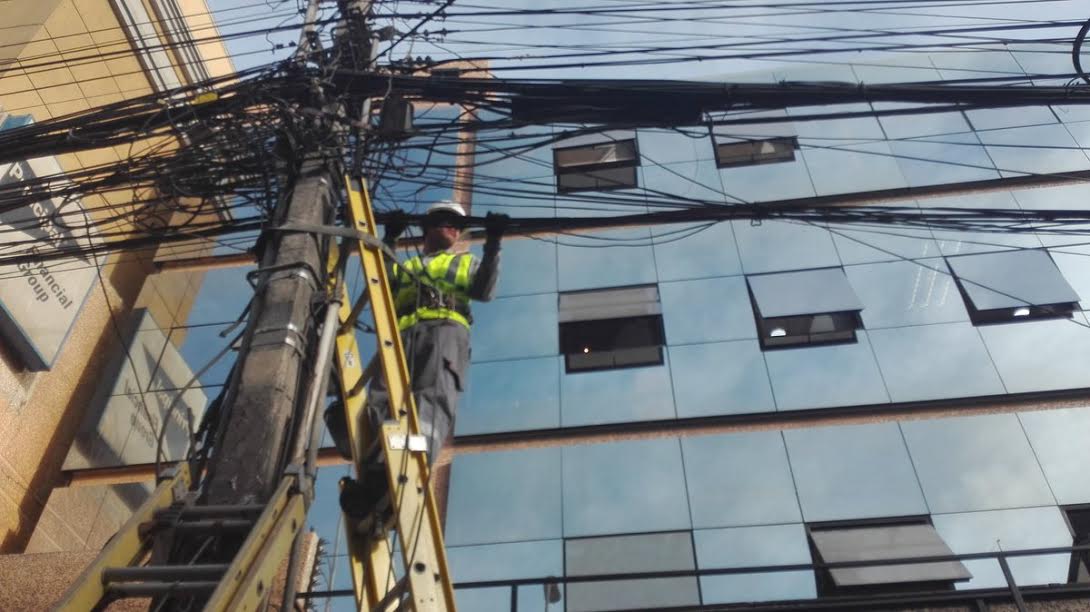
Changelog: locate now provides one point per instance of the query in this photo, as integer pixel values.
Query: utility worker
(432, 293)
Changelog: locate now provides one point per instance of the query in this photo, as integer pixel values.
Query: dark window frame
(753, 159)
(827, 587)
(1080, 536)
(589, 169)
(999, 316)
(601, 334)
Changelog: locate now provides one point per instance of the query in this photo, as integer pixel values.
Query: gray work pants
(437, 353)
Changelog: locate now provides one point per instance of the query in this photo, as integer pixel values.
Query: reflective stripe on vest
(447, 272)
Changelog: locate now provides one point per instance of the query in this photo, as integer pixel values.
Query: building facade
(752, 395)
(70, 396)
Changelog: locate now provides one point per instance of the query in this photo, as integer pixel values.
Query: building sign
(40, 298)
(126, 417)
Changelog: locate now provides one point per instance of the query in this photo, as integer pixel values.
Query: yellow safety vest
(447, 274)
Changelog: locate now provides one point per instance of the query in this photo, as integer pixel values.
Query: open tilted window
(804, 307)
(1012, 286)
(872, 540)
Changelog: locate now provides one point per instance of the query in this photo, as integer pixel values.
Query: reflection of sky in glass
(616, 396)
(505, 562)
(751, 547)
(1058, 438)
(739, 479)
(776, 246)
(1008, 530)
(710, 252)
(900, 293)
(504, 497)
(526, 266)
(707, 310)
(624, 487)
(934, 361)
(859, 471)
(720, 378)
(585, 261)
(1061, 350)
(509, 328)
(826, 376)
(511, 395)
(976, 463)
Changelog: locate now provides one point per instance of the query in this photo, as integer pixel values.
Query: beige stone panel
(69, 516)
(65, 20)
(74, 45)
(60, 93)
(41, 542)
(126, 67)
(17, 93)
(110, 38)
(60, 109)
(38, 51)
(96, 81)
(98, 157)
(103, 100)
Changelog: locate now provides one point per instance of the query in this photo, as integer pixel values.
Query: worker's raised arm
(487, 271)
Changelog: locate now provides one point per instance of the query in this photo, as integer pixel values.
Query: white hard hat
(446, 206)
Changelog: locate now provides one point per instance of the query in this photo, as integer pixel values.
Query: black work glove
(396, 223)
(495, 224)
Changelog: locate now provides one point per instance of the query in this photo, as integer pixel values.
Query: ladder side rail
(416, 516)
(125, 547)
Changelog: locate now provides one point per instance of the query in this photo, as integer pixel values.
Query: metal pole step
(151, 589)
(200, 571)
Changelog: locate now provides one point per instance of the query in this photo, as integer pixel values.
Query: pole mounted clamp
(414, 443)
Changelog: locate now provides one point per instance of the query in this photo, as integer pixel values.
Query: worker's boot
(368, 501)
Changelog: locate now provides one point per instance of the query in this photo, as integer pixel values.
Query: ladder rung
(164, 572)
(151, 589)
(212, 525)
(213, 511)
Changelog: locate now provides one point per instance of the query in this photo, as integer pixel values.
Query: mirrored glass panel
(754, 547)
(695, 251)
(958, 242)
(768, 182)
(826, 376)
(895, 540)
(1062, 197)
(934, 362)
(938, 160)
(1061, 347)
(1020, 529)
(721, 494)
(1058, 437)
(505, 562)
(504, 497)
(1015, 153)
(624, 487)
(624, 257)
(853, 472)
(975, 463)
(940, 125)
(692, 182)
(616, 396)
(201, 347)
(849, 168)
(526, 266)
(707, 310)
(858, 245)
(720, 378)
(776, 246)
(510, 396)
(901, 293)
(651, 552)
(509, 328)
(671, 146)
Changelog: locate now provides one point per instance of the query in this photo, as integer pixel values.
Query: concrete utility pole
(264, 397)
(260, 403)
